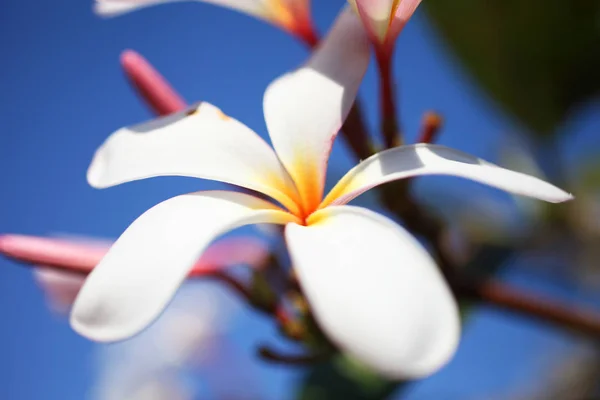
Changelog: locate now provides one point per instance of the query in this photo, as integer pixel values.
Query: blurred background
(516, 82)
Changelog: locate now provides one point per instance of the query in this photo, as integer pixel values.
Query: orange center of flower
(281, 13)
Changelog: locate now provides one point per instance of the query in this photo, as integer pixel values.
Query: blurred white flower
(154, 364)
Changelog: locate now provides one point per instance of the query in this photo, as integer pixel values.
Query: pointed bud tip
(567, 197)
(91, 321)
(8, 242)
(131, 58)
(3, 243)
(433, 118)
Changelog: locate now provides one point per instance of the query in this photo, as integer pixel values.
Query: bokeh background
(62, 92)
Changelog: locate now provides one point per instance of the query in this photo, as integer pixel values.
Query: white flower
(372, 287)
(290, 15)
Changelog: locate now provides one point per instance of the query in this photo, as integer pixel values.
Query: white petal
(141, 272)
(305, 109)
(110, 8)
(199, 142)
(425, 159)
(375, 291)
(376, 15)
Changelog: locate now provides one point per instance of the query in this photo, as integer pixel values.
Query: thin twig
(355, 132)
(430, 127)
(269, 354)
(390, 126)
(547, 310)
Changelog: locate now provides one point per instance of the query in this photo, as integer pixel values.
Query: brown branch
(430, 127)
(269, 354)
(243, 290)
(503, 296)
(390, 126)
(397, 198)
(355, 132)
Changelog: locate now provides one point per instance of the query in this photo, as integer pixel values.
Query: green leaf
(345, 378)
(539, 59)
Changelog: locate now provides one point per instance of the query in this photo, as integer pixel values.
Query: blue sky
(62, 93)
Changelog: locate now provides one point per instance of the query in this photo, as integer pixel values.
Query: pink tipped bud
(150, 84)
(55, 253)
(384, 20)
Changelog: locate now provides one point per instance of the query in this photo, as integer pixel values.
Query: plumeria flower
(384, 19)
(292, 16)
(373, 289)
(61, 265)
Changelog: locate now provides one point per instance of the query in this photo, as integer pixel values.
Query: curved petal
(200, 142)
(305, 109)
(62, 265)
(110, 8)
(427, 159)
(142, 271)
(375, 291)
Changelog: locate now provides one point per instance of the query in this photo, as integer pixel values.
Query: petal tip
(566, 197)
(95, 172)
(130, 58)
(88, 327)
(431, 361)
(4, 243)
(10, 244)
(107, 9)
(557, 195)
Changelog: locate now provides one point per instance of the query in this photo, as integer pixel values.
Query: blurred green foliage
(344, 378)
(539, 59)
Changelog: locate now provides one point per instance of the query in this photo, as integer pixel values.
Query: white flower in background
(155, 365)
(372, 287)
(290, 15)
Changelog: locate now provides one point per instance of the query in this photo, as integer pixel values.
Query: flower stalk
(576, 319)
(390, 126)
(431, 125)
